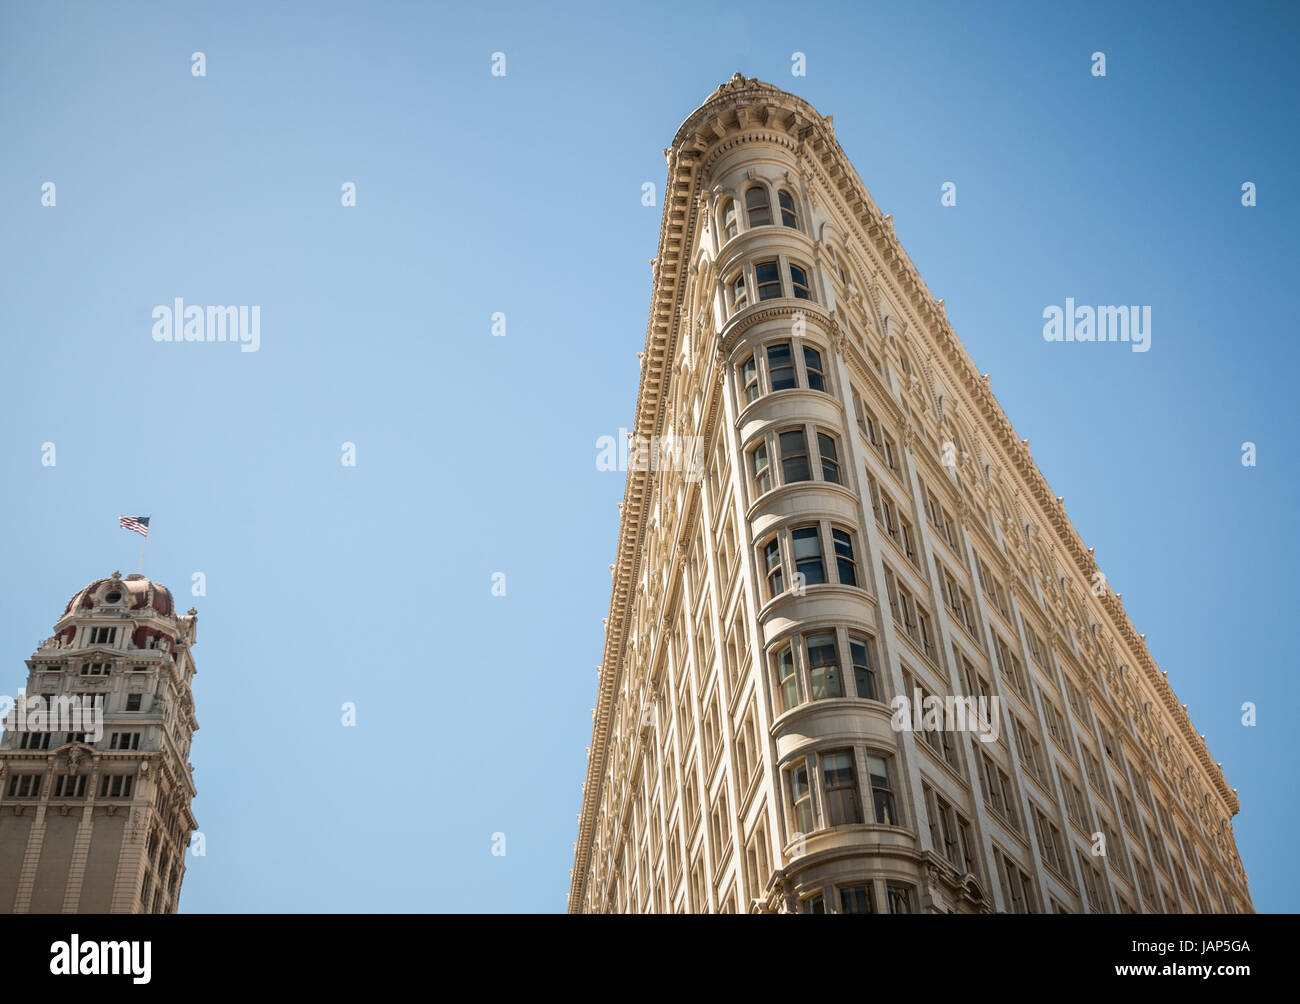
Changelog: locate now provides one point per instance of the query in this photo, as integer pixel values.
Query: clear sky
(476, 454)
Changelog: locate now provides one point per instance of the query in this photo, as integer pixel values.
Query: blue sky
(475, 454)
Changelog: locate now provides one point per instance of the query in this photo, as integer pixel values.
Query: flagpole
(143, 546)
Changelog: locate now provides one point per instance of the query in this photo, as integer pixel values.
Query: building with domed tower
(868, 529)
(95, 780)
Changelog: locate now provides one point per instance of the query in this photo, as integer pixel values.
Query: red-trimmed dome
(134, 592)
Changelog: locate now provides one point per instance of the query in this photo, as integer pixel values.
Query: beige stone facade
(867, 525)
(102, 825)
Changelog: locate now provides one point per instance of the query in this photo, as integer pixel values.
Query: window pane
(808, 555)
(780, 366)
(799, 282)
(749, 375)
(830, 458)
(768, 278)
(787, 209)
(824, 667)
(844, 562)
(856, 899)
(762, 475)
(813, 363)
(864, 677)
(794, 457)
(789, 684)
(772, 561)
(756, 204)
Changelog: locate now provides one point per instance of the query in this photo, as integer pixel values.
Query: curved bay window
(783, 365)
(793, 460)
(838, 798)
(812, 664)
(808, 545)
(773, 278)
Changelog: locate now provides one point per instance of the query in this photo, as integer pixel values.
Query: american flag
(140, 524)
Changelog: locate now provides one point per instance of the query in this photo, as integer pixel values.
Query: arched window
(730, 224)
(786, 201)
(757, 207)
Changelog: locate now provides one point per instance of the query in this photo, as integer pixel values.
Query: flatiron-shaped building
(846, 518)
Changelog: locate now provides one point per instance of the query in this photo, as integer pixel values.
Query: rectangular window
(719, 828)
(870, 426)
(1011, 667)
(772, 567)
(786, 202)
(70, 786)
(842, 804)
(925, 634)
(900, 899)
(807, 544)
(780, 366)
(1017, 886)
(882, 792)
(998, 793)
(799, 283)
(824, 666)
(749, 379)
(830, 458)
(34, 741)
(124, 741)
(787, 682)
(801, 799)
(739, 294)
(1075, 804)
(1092, 885)
(864, 673)
(845, 565)
(762, 469)
(133, 702)
(115, 786)
(96, 668)
(1052, 719)
(25, 786)
(103, 635)
(794, 457)
(812, 363)
(1092, 767)
(907, 541)
(890, 453)
(1049, 841)
(856, 899)
(767, 276)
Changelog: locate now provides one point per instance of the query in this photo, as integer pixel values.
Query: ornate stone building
(867, 525)
(95, 804)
